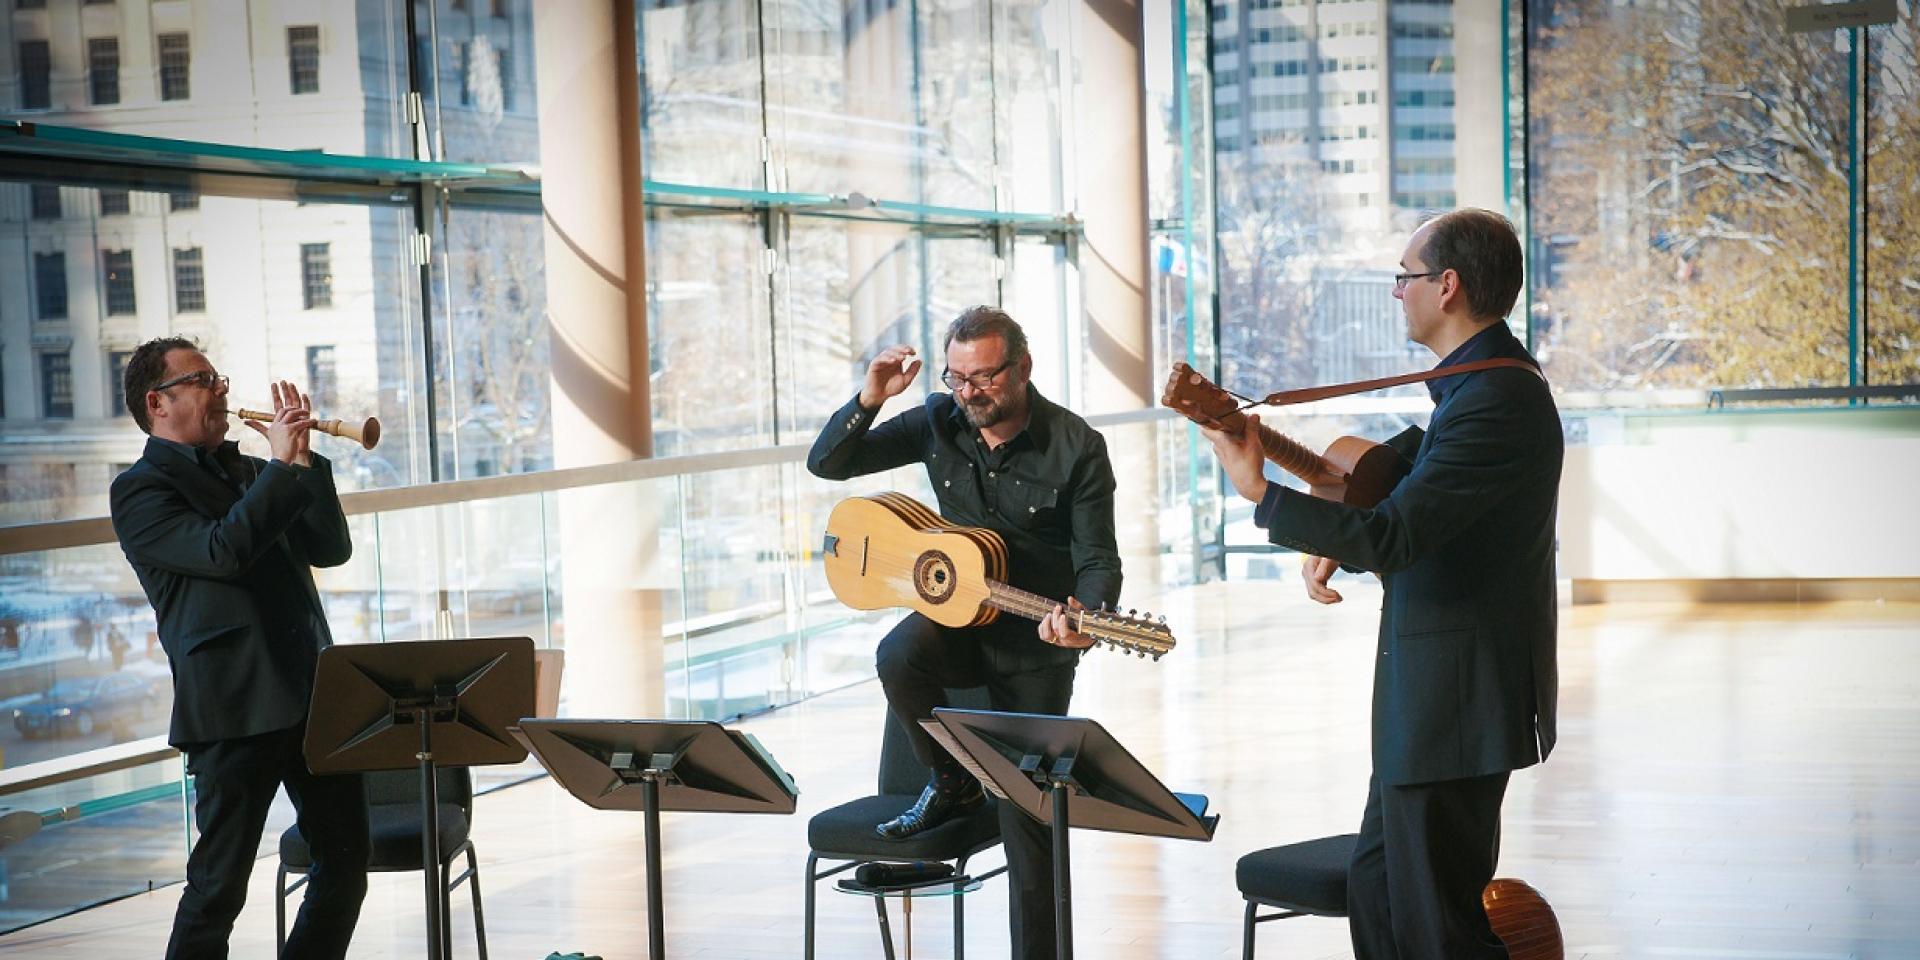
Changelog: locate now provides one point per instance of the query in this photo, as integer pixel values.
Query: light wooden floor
(1732, 781)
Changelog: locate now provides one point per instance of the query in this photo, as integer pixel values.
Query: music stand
(1037, 762)
(425, 704)
(690, 765)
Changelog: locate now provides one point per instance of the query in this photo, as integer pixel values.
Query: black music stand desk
(1067, 772)
(426, 704)
(655, 765)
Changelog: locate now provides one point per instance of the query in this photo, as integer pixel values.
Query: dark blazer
(231, 584)
(1465, 680)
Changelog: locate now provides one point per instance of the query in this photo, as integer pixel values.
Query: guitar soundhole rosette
(933, 577)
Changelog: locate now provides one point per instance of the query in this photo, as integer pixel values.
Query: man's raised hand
(889, 375)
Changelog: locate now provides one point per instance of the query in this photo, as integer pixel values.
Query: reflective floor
(1732, 781)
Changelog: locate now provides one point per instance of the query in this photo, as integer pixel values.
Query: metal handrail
(94, 531)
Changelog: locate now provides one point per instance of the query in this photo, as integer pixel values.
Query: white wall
(1729, 495)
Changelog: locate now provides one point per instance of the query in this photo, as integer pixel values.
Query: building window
(103, 70)
(56, 386)
(175, 58)
(30, 4)
(323, 381)
(36, 67)
(189, 281)
(50, 285)
(303, 59)
(500, 9)
(183, 200)
(114, 202)
(44, 198)
(117, 375)
(118, 265)
(316, 275)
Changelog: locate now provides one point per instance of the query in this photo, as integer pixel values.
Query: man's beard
(983, 412)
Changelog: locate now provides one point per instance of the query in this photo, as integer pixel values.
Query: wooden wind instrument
(366, 433)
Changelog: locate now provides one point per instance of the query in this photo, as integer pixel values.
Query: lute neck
(1020, 603)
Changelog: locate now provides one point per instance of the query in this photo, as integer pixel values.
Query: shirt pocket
(1028, 504)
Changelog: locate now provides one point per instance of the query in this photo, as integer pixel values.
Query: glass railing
(684, 588)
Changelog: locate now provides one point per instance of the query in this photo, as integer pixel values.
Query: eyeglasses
(1400, 280)
(204, 378)
(979, 381)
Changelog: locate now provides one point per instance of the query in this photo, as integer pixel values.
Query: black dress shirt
(1048, 491)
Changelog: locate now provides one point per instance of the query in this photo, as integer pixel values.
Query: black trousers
(235, 781)
(1426, 852)
(917, 661)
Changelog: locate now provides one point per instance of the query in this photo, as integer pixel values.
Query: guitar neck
(1019, 602)
(1126, 634)
(1282, 450)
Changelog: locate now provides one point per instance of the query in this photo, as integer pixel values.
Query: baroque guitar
(1354, 470)
(890, 550)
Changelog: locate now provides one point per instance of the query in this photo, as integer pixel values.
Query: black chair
(845, 832)
(393, 819)
(1299, 880)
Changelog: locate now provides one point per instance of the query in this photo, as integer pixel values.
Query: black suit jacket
(231, 582)
(1465, 679)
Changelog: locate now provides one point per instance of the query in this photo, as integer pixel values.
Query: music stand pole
(656, 903)
(1062, 875)
(430, 833)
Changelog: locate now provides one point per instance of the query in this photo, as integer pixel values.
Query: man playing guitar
(1000, 456)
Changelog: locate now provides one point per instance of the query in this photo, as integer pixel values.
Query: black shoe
(933, 809)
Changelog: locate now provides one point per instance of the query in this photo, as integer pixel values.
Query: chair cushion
(846, 832)
(395, 830)
(1310, 876)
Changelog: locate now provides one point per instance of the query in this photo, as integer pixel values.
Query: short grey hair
(980, 322)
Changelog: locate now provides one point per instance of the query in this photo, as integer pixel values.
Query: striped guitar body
(890, 550)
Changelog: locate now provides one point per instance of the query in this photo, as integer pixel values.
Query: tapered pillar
(612, 575)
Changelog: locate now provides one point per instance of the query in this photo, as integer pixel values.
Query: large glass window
(1890, 179)
(1689, 194)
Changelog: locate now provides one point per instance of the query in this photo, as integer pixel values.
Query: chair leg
(479, 917)
(1246, 935)
(886, 932)
(280, 912)
(446, 908)
(813, 860)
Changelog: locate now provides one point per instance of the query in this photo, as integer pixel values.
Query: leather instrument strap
(1310, 394)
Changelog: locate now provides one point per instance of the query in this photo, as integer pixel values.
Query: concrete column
(1111, 187)
(1110, 178)
(611, 571)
